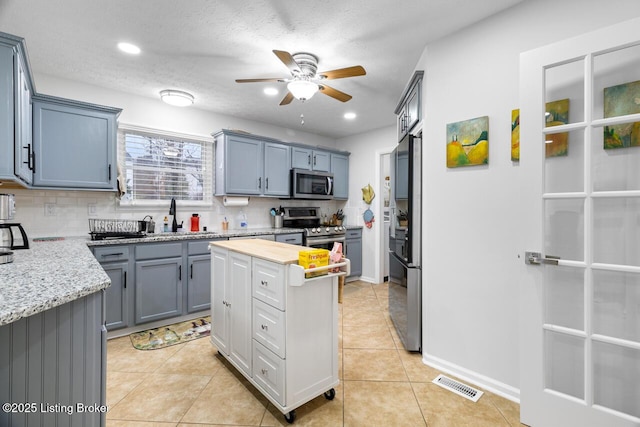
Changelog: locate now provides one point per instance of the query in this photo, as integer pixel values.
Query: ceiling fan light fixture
(177, 98)
(302, 89)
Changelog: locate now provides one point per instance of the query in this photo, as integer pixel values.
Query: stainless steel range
(316, 235)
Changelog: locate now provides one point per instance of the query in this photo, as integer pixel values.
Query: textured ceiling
(202, 46)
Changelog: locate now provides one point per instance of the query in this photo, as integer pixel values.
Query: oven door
(324, 242)
(311, 185)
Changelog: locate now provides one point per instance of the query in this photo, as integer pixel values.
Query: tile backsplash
(46, 213)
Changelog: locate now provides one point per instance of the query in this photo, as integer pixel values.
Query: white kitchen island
(279, 329)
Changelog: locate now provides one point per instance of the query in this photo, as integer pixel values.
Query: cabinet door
(277, 158)
(220, 316)
(353, 251)
(116, 295)
(301, 158)
(74, 146)
(158, 289)
(23, 139)
(6, 113)
(402, 122)
(340, 170)
(243, 167)
(199, 283)
(321, 161)
(413, 106)
(239, 282)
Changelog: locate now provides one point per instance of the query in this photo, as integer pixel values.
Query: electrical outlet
(92, 209)
(49, 209)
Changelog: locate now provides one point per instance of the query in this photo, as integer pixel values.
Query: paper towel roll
(235, 201)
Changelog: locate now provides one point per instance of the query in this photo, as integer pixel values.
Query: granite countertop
(281, 253)
(165, 237)
(47, 275)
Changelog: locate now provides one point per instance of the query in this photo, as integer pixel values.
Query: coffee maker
(12, 235)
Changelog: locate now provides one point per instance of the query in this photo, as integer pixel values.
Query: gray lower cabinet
(199, 279)
(353, 250)
(55, 362)
(158, 281)
(74, 144)
(116, 262)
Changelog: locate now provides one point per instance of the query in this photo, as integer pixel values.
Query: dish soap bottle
(166, 225)
(242, 220)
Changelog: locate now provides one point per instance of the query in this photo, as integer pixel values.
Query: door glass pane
(564, 162)
(616, 304)
(564, 363)
(616, 378)
(564, 229)
(614, 169)
(564, 297)
(565, 82)
(614, 91)
(616, 231)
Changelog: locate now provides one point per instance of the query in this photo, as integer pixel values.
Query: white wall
(470, 240)
(364, 169)
(72, 207)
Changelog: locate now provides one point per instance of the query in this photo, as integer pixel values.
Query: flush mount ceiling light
(176, 97)
(302, 89)
(129, 48)
(271, 91)
(349, 116)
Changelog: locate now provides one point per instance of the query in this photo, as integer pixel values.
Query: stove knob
(341, 228)
(327, 230)
(335, 229)
(313, 230)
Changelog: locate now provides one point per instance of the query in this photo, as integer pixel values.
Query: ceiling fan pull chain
(302, 119)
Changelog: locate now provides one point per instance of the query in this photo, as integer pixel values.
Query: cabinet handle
(264, 283)
(113, 254)
(191, 273)
(28, 162)
(266, 183)
(309, 159)
(264, 327)
(179, 272)
(260, 182)
(264, 371)
(109, 170)
(33, 160)
(125, 279)
(314, 160)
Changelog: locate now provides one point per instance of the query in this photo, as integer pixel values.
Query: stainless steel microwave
(306, 184)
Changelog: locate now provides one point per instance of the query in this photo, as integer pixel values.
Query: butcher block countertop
(282, 253)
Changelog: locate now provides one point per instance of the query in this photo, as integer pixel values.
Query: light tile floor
(190, 385)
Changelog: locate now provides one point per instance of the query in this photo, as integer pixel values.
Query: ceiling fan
(305, 79)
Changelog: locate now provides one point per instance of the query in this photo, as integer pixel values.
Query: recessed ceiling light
(270, 91)
(129, 48)
(349, 116)
(176, 97)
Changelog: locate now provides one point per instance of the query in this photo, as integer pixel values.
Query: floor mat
(176, 333)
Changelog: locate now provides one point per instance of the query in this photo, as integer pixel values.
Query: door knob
(536, 258)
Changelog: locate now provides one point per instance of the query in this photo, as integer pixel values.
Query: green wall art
(621, 100)
(468, 142)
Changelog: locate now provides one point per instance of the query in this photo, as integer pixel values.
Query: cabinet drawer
(269, 327)
(161, 250)
(355, 233)
(291, 238)
(268, 372)
(111, 253)
(268, 282)
(200, 247)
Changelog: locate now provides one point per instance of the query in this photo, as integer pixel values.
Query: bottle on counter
(242, 220)
(165, 228)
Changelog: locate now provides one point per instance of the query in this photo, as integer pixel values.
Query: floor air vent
(458, 388)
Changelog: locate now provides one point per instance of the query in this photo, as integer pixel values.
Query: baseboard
(479, 380)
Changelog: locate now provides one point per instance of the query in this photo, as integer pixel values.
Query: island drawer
(111, 253)
(268, 372)
(268, 327)
(269, 282)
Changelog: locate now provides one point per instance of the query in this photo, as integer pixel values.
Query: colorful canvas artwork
(468, 142)
(557, 113)
(621, 100)
(515, 135)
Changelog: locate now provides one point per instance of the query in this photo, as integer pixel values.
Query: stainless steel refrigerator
(405, 242)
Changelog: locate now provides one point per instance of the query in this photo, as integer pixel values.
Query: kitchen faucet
(172, 211)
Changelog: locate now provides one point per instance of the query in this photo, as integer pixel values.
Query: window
(159, 167)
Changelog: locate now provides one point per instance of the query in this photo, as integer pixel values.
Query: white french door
(580, 293)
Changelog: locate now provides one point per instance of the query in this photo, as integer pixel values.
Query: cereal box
(313, 258)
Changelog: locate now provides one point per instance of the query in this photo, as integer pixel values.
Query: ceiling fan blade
(341, 73)
(288, 60)
(334, 93)
(259, 80)
(287, 99)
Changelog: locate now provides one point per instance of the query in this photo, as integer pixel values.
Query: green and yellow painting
(515, 135)
(468, 142)
(557, 113)
(621, 100)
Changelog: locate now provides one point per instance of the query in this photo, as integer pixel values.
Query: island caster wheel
(290, 417)
(329, 395)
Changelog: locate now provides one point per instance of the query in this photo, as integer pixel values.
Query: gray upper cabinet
(16, 88)
(276, 169)
(74, 143)
(409, 110)
(310, 159)
(249, 165)
(340, 170)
